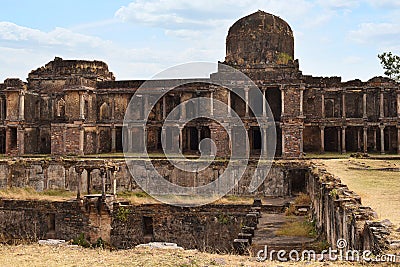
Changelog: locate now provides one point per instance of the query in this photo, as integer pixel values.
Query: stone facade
(76, 106)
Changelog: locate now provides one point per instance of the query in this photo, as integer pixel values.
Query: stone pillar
(375, 143)
(145, 106)
(282, 101)
(114, 176)
(246, 98)
(88, 181)
(113, 139)
(301, 99)
(21, 113)
(398, 104)
(381, 105)
(382, 128)
(212, 103)
(183, 110)
(264, 105)
(343, 104)
(103, 182)
(365, 139)
(164, 109)
(358, 139)
(344, 139)
(229, 103)
(164, 138)
(365, 105)
(398, 139)
(21, 140)
(247, 149)
(322, 129)
(81, 106)
(198, 134)
(181, 138)
(323, 104)
(339, 147)
(79, 170)
(301, 141)
(144, 139)
(264, 140)
(81, 140)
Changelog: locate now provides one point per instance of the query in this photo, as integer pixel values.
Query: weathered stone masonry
(77, 107)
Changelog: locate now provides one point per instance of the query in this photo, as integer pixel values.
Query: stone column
(264, 104)
(229, 128)
(21, 114)
(144, 139)
(282, 101)
(301, 99)
(181, 138)
(164, 109)
(21, 140)
(365, 139)
(81, 106)
(212, 103)
(358, 139)
(301, 141)
(114, 176)
(198, 134)
(88, 171)
(382, 128)
(113, 139)
(79, 170)
(381, 105)
(375, 143)
(398, 139)
(103, 182)
(247, 149)
(145, 106)
(398, 104)
(344, 139)
(365, 105)
(264, 143)
(339, 147)
(164, 138)
(323, 104)
(81, 140)
(343, 104)
(322, 129)
(113, 109)
(229, 103)
(246, 98)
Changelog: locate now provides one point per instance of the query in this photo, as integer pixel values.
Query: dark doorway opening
(275, 102)
(148, 226)
(118, 139)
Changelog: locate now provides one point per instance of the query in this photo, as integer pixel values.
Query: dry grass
(297, 228)
(29, 193)
(378, 189)
(35, 255)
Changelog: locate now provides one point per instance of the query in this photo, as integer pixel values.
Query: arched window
(61, 108)
(104, 112)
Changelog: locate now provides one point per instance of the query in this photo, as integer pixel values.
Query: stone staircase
(259, 232)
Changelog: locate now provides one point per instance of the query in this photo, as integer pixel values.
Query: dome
(259, 38)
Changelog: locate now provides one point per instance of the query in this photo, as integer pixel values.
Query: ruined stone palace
(76, 107)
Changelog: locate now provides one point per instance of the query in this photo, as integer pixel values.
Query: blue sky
(138, 39)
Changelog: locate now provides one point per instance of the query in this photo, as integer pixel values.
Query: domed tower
(259, 38)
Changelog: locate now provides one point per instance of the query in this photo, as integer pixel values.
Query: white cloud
(59, 36)
(376, 33)
(338, 4)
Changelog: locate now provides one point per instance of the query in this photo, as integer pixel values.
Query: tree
(391, 65)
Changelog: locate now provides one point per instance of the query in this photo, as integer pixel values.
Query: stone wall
(33, 220)
(42, 174)
(339, 214)
(209, 228)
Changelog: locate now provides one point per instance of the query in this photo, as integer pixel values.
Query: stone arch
(104, 113)
(61, 107)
